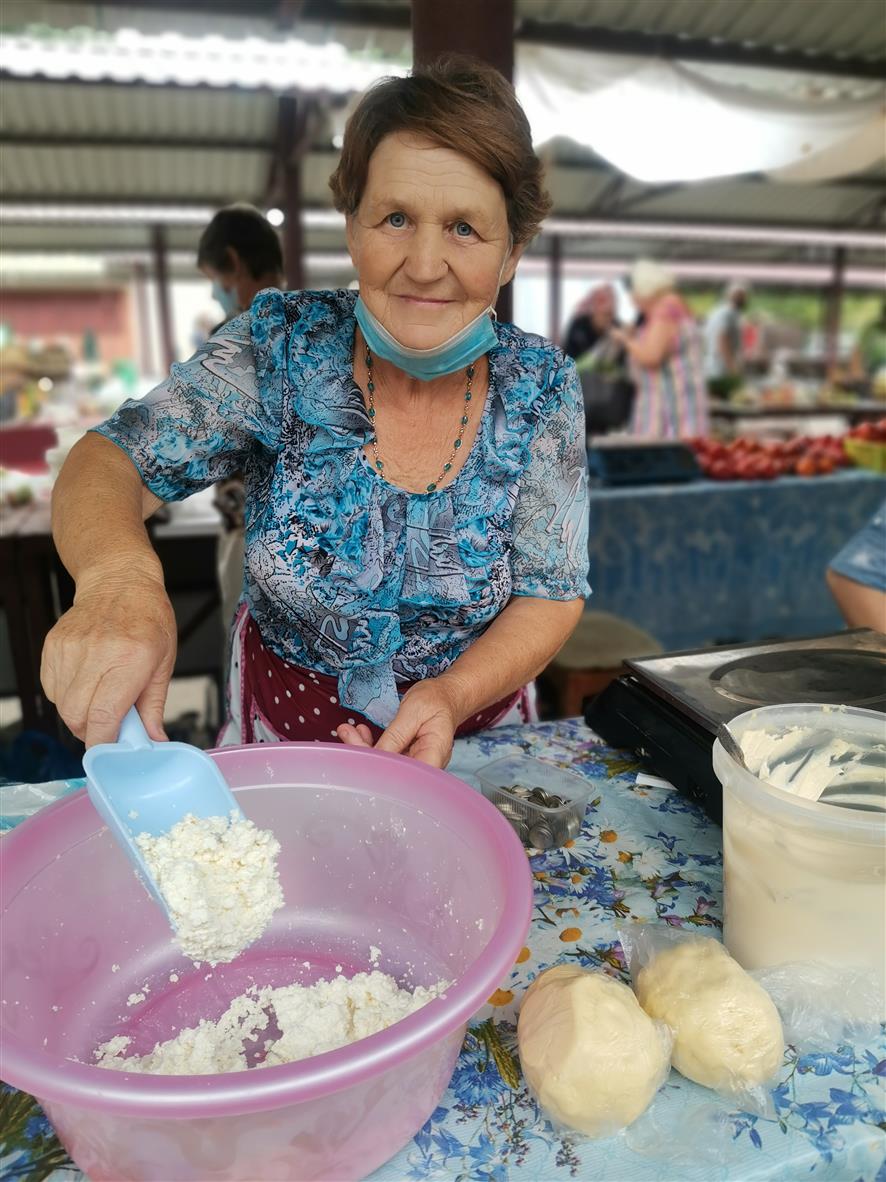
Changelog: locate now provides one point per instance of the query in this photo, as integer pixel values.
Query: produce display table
(644, 854)
(715, 562)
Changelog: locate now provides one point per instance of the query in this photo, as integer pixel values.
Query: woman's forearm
(99, 506)
(518, 644)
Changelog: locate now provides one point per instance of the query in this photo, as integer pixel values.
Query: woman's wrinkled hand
(423, 728)
(114, 648)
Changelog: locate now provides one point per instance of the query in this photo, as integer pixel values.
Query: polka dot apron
(270, 700)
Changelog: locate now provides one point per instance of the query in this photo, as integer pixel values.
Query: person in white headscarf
(666, 357)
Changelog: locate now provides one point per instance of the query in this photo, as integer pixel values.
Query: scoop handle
(132, 730)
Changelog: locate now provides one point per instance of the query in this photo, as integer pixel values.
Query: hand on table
(115, 647)
(423, 728)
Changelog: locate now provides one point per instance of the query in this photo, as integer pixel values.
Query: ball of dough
(727, 1032)
(590, 1054)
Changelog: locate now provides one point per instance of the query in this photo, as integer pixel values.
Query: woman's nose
(426, 257)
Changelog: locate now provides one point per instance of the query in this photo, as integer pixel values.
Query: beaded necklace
(447, 467)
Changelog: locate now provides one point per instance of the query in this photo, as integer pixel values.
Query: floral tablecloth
(644, 854)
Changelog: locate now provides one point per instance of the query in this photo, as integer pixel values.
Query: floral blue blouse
(345, 573)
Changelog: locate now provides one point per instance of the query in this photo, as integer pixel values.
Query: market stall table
(35, 589)
(643, 854)
(713, 562)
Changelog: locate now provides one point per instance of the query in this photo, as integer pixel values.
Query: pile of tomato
(752, 459)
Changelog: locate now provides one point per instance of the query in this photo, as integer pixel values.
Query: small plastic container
(519, 785)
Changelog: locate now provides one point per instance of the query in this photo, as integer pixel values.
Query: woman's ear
(511, 262)
(233, 263)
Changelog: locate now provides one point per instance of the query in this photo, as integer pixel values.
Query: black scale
(667, 709)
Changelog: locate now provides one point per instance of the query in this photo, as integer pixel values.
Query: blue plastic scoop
(139, 786)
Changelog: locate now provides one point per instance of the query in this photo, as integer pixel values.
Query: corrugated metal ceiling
(855, 28)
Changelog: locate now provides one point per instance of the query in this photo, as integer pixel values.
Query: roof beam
(365, 14)
(695, 49)
(40, 139)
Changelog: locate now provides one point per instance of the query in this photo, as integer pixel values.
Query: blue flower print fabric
(347, 574)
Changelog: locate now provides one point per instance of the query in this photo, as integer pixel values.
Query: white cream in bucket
(804, 880)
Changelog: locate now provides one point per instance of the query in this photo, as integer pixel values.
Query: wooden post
(555, 279)
(482, 29)
(164, 313)
(293, 237)
(834, 308)
(295, 121)
(143, 313)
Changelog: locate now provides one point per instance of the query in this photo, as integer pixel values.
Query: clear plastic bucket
(376, 850)
(804, 881)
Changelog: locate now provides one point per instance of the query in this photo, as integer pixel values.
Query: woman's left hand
(424, 726)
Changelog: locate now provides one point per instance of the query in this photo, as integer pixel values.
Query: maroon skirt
(300, 704)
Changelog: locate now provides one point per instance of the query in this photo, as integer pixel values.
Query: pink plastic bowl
(376, 850)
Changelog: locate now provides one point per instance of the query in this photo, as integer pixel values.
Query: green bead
(464, 419)
(468, 396)
(372, 412)
(379, 463)
(371, 386)
(457, 443)
(431, 487)
(446, 467)
(470, 371)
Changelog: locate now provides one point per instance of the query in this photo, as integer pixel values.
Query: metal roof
(851, 29)
(70, 141)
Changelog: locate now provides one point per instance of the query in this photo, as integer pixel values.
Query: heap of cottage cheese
(218, 876)
(267, 1027)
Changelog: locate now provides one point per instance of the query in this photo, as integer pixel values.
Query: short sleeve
(549, 556)
(863, 558)
(202, 424)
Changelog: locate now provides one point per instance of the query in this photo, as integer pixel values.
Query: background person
(665, 353)
(723, 331)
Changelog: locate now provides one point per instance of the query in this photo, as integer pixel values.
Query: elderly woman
(666, 358)
(416, 503)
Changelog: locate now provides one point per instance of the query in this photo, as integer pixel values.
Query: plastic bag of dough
(727, 1031)
(822, 1005)
(593, 1059)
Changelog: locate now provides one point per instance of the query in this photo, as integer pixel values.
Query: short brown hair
(459, 104)
(246, 230)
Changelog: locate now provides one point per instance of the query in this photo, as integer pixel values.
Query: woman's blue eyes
(398, 220)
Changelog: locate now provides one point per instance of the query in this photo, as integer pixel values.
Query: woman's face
(603, 308)
(429, 240)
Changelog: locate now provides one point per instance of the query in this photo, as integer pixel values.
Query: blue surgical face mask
(230, 305)
(459, 350)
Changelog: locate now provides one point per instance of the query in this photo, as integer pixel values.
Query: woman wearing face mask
(415, 472)
(239, 253)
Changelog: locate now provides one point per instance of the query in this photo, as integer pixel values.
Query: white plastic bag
(591, 1057)
(727, 1031)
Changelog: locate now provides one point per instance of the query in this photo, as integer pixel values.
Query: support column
(164, 312)
(482, 29)
(143, 315)
(295, 117)
(834, 308)
(555, 279)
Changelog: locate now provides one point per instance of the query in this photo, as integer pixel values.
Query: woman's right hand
(115, 647)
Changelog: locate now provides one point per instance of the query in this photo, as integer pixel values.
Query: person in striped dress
(667, 359)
